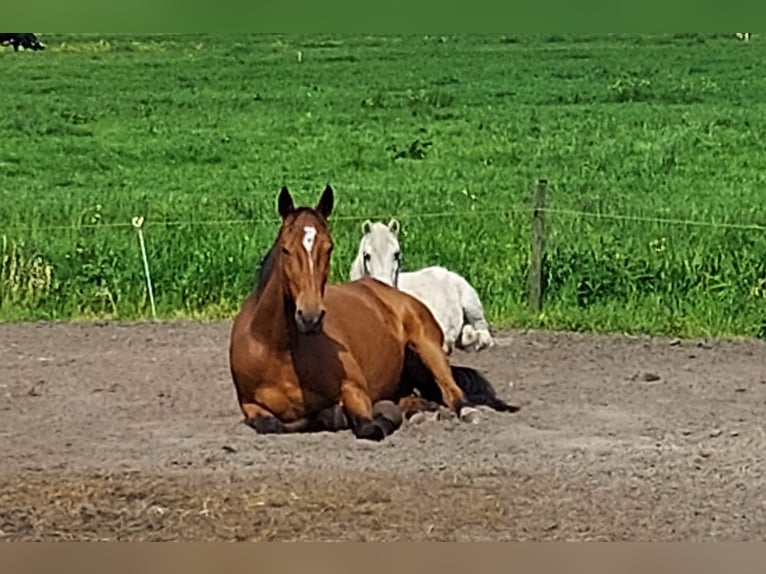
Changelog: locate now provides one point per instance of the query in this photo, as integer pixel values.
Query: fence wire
(432, 215)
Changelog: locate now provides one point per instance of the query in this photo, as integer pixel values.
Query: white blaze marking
(309, 234)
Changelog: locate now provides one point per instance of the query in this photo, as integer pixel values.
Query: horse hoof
(417, 418)
(333, 419)
(372, 430)
(389, 411)
(423, 416)
(266, 425)
(469, 415)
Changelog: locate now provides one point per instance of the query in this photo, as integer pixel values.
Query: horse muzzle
(309, 323)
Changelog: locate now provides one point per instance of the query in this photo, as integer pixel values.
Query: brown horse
(305, 355)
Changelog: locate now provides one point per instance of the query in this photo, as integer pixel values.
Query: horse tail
(478, 390)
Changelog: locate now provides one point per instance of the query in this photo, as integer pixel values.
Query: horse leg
(263, 421)
(330, 419)
(389, 414)
(433, 359)
(469, 338)
(417, 409)
(334, 419)
(412, 405)
(473, 339)
(473, 314)
(364, 422)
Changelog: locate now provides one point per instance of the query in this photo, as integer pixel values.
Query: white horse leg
(469, 336)
(485, 340)
(476, 329)
(450, 335)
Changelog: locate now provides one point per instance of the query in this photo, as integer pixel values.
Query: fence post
(138, 223)
(537, 248)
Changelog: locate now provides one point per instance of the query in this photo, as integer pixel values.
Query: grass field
(449, 134)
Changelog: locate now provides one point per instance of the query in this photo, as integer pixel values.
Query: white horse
(454, 303)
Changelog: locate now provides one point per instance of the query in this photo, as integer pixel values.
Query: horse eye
(285, 250)
(367, 256)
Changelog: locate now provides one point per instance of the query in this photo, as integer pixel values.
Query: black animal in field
(26, 40)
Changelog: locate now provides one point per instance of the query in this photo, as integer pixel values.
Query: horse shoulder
(264, 375)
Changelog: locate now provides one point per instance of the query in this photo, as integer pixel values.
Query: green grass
(188, 130)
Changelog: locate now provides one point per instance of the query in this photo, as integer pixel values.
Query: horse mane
(266, 266)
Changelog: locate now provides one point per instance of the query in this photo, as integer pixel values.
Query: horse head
(304, 246)
(379, 252)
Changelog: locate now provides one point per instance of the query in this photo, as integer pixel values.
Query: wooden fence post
(537, 248)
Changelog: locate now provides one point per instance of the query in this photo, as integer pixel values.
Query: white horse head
(380, 255)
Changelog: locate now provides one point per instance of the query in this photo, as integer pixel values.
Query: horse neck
(273, 314)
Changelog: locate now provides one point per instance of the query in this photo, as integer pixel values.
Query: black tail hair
(478, 390)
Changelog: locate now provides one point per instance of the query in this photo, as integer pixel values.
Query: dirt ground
(132, 432)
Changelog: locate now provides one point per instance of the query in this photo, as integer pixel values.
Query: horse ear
(326, 202)
(285, 203)
(393, 225)
(366, 227)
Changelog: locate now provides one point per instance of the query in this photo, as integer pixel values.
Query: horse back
(385, 308)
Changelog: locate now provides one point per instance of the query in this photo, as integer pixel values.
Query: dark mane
(264, 270)
(267, 263)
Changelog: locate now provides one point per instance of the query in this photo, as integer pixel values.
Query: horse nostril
(300, 313)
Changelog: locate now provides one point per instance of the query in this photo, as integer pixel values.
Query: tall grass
(447, 133)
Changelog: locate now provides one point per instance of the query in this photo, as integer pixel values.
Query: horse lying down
(305, 355)
(453, 301)
(26, 40)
